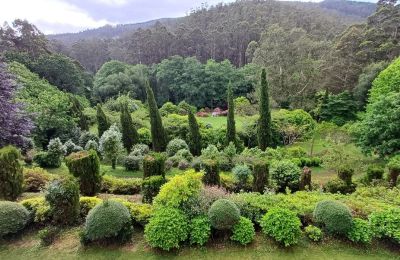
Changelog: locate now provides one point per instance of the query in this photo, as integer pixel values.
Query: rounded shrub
(133, 162)
(243, 231)
(285, 174)
(223, 214)
(242, 174)
(339, 186)
(140, 149)
(283, 225)
(313, 233)
(200, 230)
(167, 228)
(360, 232)
(334, 216)
(63, 198)
(13, 217)
(85, 166)
(11, 177)
(35, 179)
(175, 145)
(108, 221)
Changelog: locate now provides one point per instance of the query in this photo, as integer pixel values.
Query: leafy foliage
(386, 224)
(200, 230)
(285, 174)
(313, 233)
(360, 231)
(13, 218)
(11, 178)
(154, 164)
(111, 144)
(243, 231)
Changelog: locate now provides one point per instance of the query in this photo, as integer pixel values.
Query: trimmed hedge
(13, 217)
(124, 186)
(151, 187)
(35, 179)
(211, 175)
(154, 164)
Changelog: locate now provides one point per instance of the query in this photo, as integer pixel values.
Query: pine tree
(158, 137)
(194, 135)
(230, 128)
(129, 133)
(102, 122)
(264, 131)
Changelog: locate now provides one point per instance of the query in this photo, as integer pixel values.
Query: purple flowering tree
(15, 124)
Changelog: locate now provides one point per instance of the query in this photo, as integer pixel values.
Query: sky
(61, 16)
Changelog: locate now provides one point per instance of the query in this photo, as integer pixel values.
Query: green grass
(67, 246)
(220, 121)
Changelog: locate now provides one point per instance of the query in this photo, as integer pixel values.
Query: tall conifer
(230, 127)
(102, 122)
(194, 134)
(129, 133)
(264, 132)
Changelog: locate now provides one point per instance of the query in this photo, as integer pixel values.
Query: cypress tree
(102, 122)
(77, 111)
(230, 127)
(158, 137)
(129, 133)
(264, 132)
(194, 134)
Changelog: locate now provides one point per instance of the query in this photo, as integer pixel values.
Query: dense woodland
(245, 120)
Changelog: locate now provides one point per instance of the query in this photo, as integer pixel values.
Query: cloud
(51, 16)
(111, 2)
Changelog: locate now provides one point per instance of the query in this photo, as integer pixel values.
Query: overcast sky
(59, 16)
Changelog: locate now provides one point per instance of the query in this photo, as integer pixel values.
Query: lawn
(220, 121)
(68, 247)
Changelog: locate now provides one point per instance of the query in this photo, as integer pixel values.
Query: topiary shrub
(35, 179)
(39, 209)
(211, 172)
(13, 218)
(360, 232)
(242, 174)
(374, 172)
(305, 179)
(48, 235)
(63, 198)
(334, 216)
(85, 166)
(394, 170)
(109, 221)
(386, 224)
(140, 213)
(200, 230)
(11, 177)
(154, 164)
(133, 162)
(313, 233)
(283, 225)
(51, 158)
(175, 145)
(151, 187)
(346, 174)
(125, 186)
(223, 214)
(167, 228)
(285, 174)
(261, 175)
(243, 231)
(339, 186)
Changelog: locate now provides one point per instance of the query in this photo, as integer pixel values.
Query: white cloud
(111, 2)
(53, 15)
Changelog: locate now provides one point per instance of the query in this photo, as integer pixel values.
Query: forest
(251, 129)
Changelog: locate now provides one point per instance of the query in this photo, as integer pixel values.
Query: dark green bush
(48, 235)
(11, 177)
(133, 162)
(374, 172)
(261, 175)
(211, 172)
(242, 174)
(167, 228)
(13, 218)
(243, 232)
(334, 217)
(35, 179)
(51, 158)
(386, 224)
(339, 186)
(154, 164)
(200, 230)
(125, 186)
(285, 174)
(223, 214)
(85, 166)
(313, 233)
(283, 225)
(346, 174)
(63, 198)
(151, 187)
(360, 231)
(394, 169)
(109, 221)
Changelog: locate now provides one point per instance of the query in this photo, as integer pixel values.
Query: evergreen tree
(129, 133)
(264, 132)
(102, 122)
(158, 137)
(194, 135)
(230, 130)
(77, 111)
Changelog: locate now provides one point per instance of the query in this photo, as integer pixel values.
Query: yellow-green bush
(38, 208)
(87, 203)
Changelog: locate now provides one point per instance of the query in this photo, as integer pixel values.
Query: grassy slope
(68, 247)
